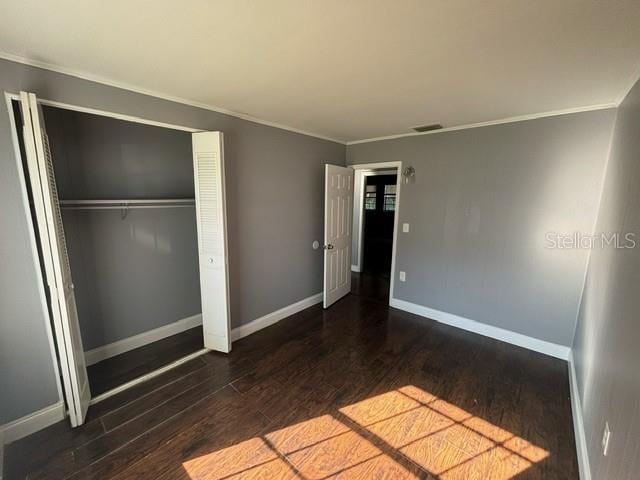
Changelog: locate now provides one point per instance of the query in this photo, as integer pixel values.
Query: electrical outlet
(403, 276)
(405, 228)
(606, 436)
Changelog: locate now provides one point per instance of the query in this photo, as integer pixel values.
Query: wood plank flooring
(360, 390)
(370, 286)
(115, 371)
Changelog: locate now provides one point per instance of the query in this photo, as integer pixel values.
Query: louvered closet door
(56, 260)
(208, 167)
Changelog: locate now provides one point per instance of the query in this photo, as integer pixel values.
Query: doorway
(374, 230)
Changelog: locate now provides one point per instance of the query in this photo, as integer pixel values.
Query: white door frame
(372, 169)
(103, 113)
(358, 204)
(9, 98)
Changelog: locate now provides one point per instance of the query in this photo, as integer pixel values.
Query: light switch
(405, 228)
(403, 276)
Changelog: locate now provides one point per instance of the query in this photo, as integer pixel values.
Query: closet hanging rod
(119, 204)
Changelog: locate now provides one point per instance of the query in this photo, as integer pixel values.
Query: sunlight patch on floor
(244, 459)
(442, 438)
(383, 436)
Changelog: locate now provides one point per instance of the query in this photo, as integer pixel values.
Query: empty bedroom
(319, 239)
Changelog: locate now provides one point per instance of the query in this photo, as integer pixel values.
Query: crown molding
(125, 86)
(151, 93)
(520, 118)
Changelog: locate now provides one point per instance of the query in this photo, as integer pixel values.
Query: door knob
(328, 247)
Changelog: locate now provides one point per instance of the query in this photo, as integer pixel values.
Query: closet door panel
(56, 259)
(208, 158)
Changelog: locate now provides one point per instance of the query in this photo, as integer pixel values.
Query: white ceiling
(350, 69)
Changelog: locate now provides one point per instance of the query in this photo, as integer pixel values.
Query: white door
(338, 211)
(56, 260)
(208, 169)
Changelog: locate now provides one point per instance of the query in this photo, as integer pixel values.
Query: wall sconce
(408, 175)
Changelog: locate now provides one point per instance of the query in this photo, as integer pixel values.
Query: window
(389, 198)
(370, 198)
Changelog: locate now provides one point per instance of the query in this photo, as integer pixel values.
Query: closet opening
(134, 214)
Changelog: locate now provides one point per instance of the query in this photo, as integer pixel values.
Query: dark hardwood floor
(371, 286)
(357, 391)
(115, 371)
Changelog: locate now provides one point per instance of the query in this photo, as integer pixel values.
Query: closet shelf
(119, 204)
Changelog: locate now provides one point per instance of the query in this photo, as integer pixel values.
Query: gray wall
(606, 351)
(101, 157)
(141, 272)
(479, 209)
(134, 274)
(275, 208)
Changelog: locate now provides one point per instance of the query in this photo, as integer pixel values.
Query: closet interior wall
(134, 270)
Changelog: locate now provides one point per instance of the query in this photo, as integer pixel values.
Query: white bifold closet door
(55, 260)
(338, 214)
(208, 169)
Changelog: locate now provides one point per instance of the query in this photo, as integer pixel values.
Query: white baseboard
(535, 344)
(12, 431)
(578, 422)
(274, 317)
(43, 418)
(355, 268)
(236, 334)
(121, 346)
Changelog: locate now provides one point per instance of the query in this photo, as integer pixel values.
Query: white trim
(359, 204)
(125, 86)
(514, 338)
(387, 165)
(33, 244)
(274, 317)
(105, 113)
(121, 85)
(236, 334)
(578, 423)
(519, 118)
(148, 376)
(33, 422)
(117, 116)
(376, 165)
(126, 344)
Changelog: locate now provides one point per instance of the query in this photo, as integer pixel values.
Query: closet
(130, 227)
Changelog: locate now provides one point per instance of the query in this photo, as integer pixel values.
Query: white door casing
(338, 211)
(55, 260)
(208, 169)
(397, 166)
